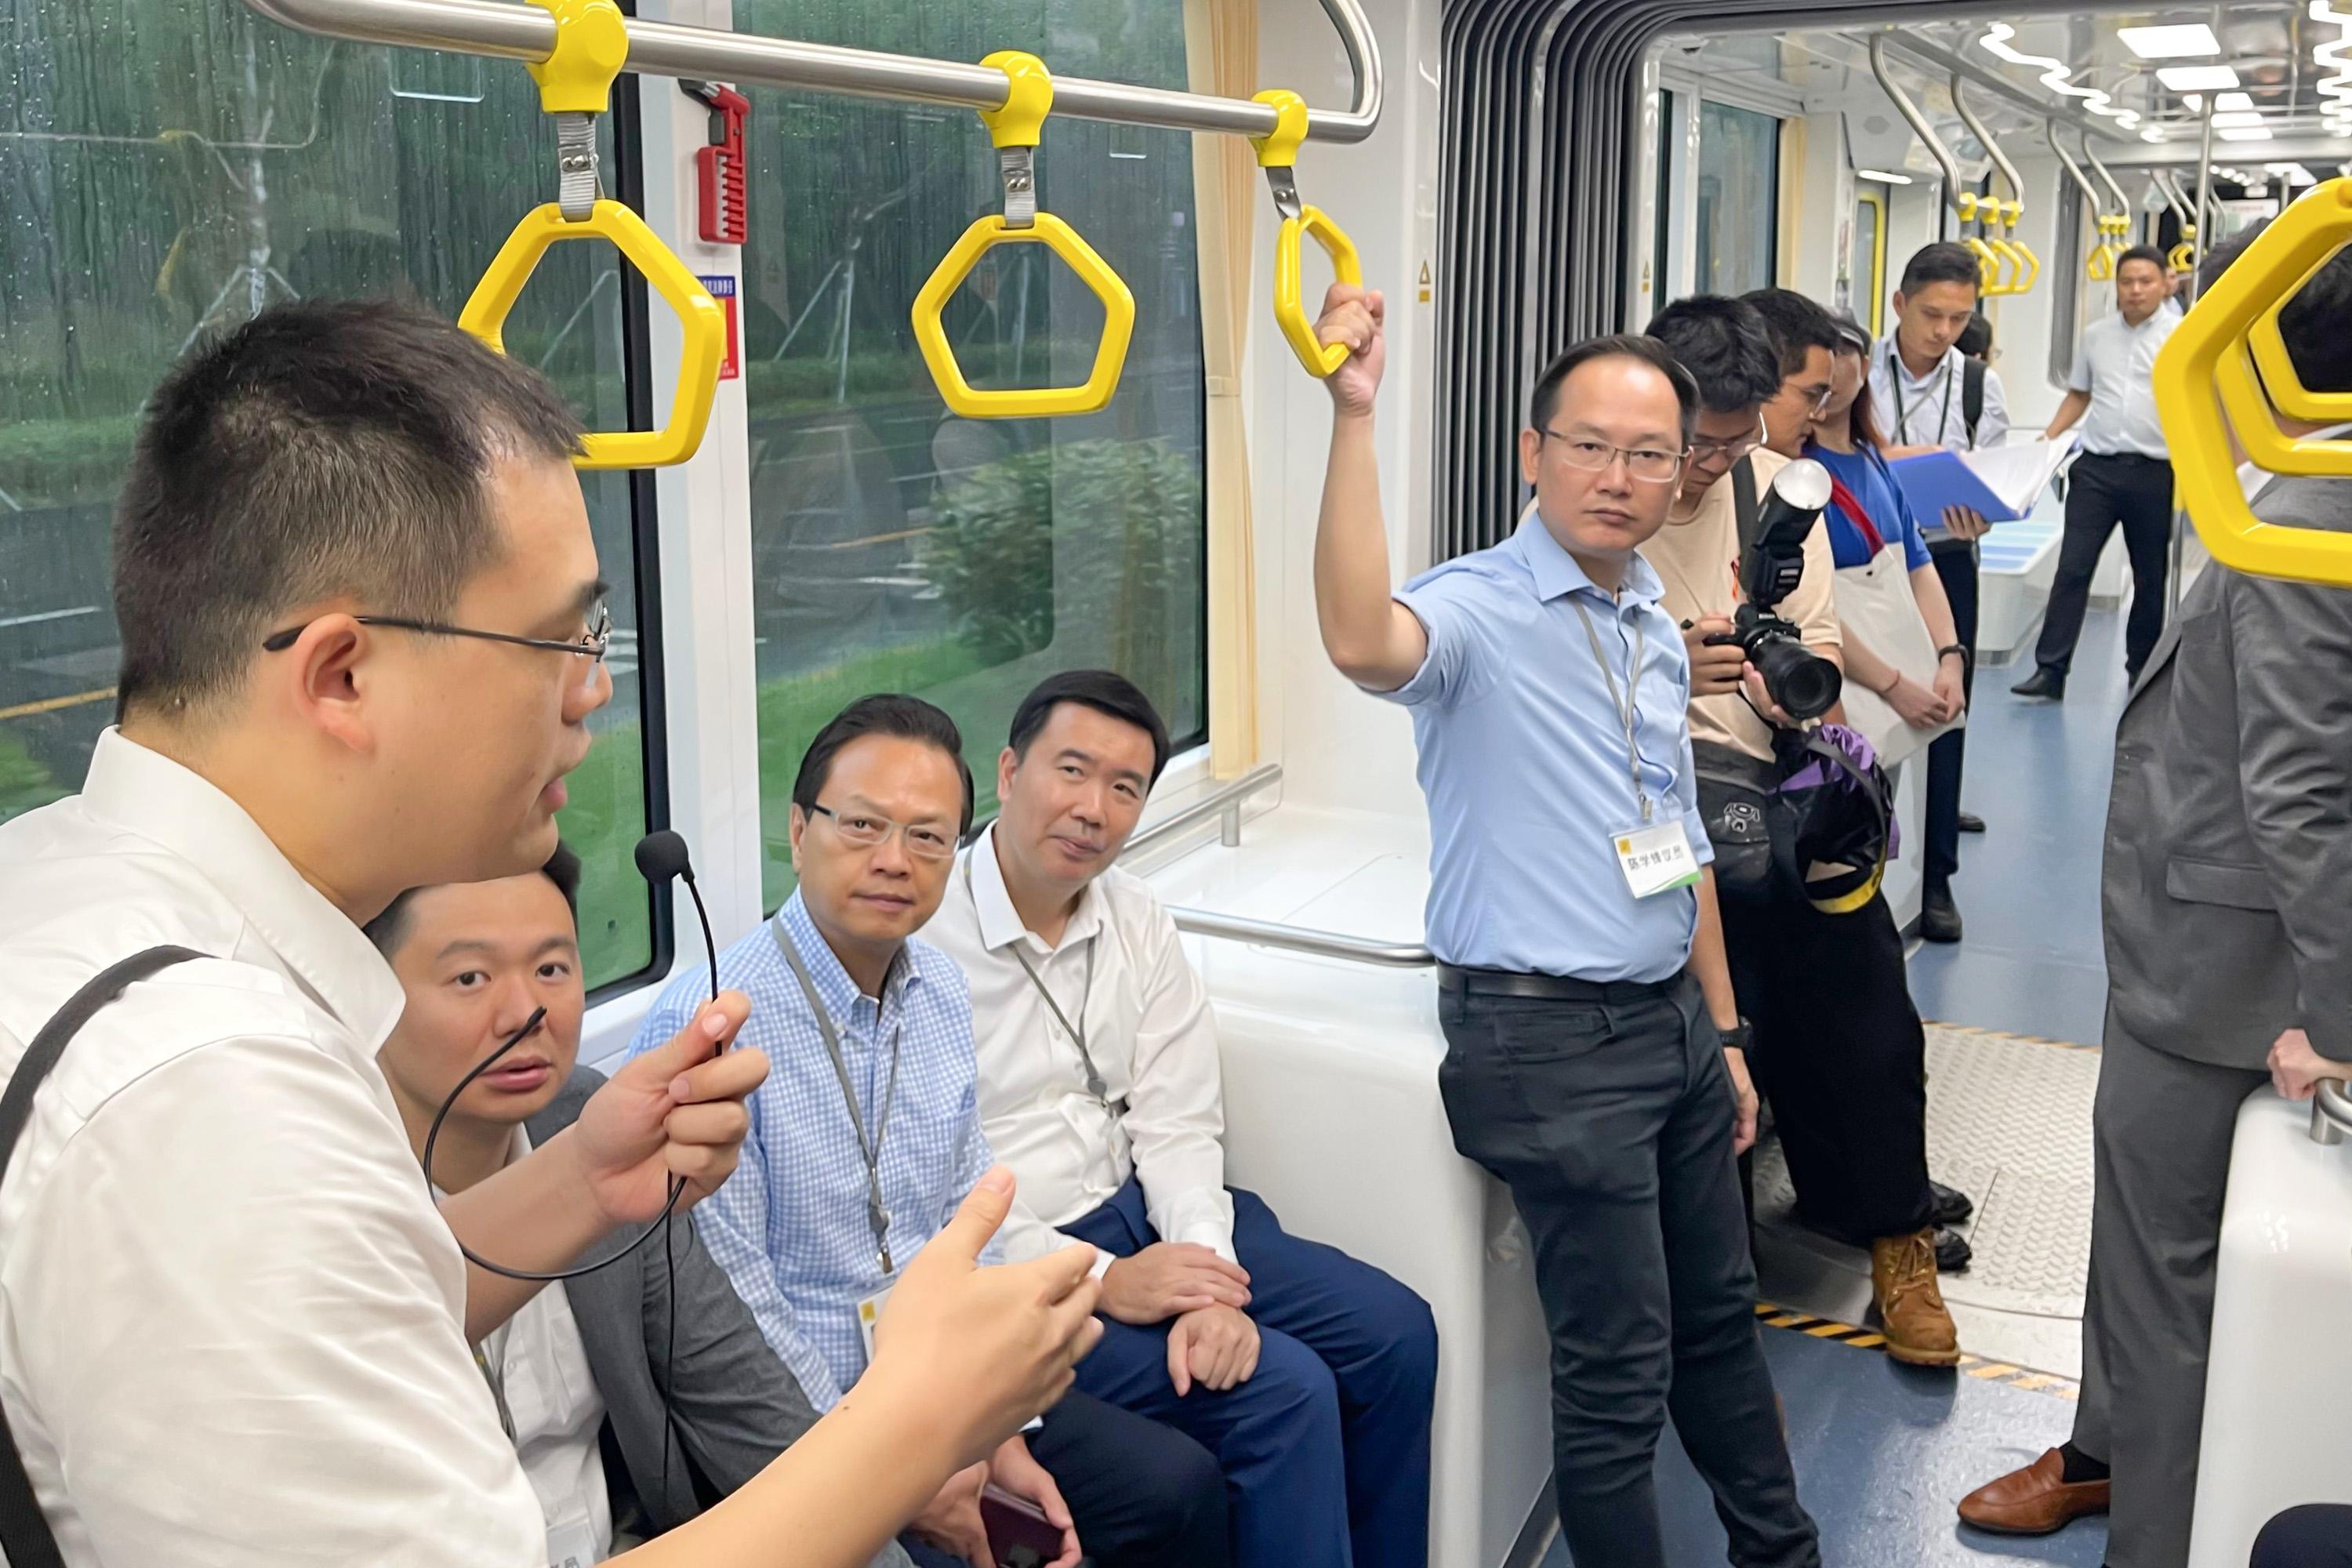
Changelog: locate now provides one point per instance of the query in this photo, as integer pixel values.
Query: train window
(169, 170)
(896, 547)
(1739, 196)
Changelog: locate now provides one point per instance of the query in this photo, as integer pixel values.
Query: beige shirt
(1698, 559)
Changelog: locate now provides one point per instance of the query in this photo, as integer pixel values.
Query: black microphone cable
(659, 857)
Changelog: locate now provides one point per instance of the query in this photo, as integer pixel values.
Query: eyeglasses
(591, 643)
(1703, 450)
(868, 831)
(1650, 465)
(1817, 401)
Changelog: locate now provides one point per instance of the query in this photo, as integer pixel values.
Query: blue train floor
(1882, 1452)
(2029, 886)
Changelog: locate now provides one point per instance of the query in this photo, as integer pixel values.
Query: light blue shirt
(1523, 763)
(2115, 362)
(791, 1226)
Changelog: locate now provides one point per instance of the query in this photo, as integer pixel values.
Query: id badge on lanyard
(572, 1545)
(1656, 856)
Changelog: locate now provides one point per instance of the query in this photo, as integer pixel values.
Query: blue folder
(1934, 480)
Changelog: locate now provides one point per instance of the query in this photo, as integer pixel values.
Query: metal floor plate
(2009, 1122)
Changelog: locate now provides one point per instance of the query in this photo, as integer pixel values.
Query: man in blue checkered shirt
(866, 1137)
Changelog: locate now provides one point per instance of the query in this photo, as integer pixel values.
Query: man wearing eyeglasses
(866, 1137)
(1582, 988)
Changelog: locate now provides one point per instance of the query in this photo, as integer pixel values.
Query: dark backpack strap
(1972, 374)
(23, 1535)
(1749, 510)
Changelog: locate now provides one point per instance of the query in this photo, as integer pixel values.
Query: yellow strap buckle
(2210, 377)
(575, 85)
(1277, 155)
(1015, 129)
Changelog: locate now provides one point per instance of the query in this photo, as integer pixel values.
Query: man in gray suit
(2226, 899)
(579, 1375)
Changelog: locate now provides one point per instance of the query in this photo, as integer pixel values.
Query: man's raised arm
(1375, 641)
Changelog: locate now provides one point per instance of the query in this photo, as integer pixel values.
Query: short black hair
(2147, 253)
(1106, 691)
(390, 928)
(1725, 345)
(886, 714)
(322, 449)
(1794, 325)
(2312, 324)
(1616, 345)
(1945, 261)
(1975, 340)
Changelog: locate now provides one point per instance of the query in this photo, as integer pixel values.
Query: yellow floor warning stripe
(1777, 1317)
(2011, 1035)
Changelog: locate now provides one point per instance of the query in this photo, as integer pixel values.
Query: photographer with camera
(1838, 1052)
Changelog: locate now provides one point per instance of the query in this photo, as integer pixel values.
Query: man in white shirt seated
(625, 1427)
(1307, 1374)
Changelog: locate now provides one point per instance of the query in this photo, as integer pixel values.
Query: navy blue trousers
(1326, 1449)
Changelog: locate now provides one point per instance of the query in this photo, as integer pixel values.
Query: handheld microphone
(662, 856)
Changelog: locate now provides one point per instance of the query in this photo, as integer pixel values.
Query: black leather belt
(2124, 457)
(1547, 987)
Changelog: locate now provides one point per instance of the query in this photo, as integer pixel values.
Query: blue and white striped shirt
(791, 1226)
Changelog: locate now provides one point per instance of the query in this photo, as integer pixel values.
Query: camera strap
(1746, 506)
(25, 1536)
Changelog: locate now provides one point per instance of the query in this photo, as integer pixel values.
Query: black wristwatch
(1735, 1038)
(1959, 648)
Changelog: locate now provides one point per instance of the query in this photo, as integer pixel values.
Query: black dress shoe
(2042, 683)
(1953, 1253)
(1952, 1207)
(1971, 823)
(1939, 917)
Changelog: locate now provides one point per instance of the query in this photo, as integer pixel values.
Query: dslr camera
(1771, 564)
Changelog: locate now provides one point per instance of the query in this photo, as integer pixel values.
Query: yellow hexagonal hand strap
(703, 326)
(2208, 386)
(1279, 150)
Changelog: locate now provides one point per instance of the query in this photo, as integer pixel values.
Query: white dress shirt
(539, 1373)
(1147, 1026)
(2115, 362)
(229, 1310)
(1931, 410)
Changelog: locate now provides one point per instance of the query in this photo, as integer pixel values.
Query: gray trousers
(2162, 1128)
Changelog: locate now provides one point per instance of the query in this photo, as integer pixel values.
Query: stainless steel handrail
(2074, 170)
(1224, 801)
(2124, 204)
(1953, 184)
(523, 32)
(2331, 1110)
(1304, 939)
(1978, 129)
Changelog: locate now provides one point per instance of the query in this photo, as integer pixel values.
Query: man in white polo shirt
(1309, 1374)
(2123, 475)
(362, 634)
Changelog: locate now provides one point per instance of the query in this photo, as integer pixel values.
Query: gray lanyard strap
(1627, 702)
(1095, 1084)
(877, 1213)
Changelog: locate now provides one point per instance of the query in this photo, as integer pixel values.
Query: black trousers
(2316, 1535)
(1840, 1052)
(1142, 1495)
(1611, 1121)
(2102, 491)
(1956, 568)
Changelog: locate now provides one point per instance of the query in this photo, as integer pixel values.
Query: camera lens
(1804, 683)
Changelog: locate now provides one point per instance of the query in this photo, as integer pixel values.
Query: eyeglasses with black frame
(1705, 450)
(1651, 464)
(867, 831)
(591, 644)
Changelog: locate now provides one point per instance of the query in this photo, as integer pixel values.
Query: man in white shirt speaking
(1309, 1374)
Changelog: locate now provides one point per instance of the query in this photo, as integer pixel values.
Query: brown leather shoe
(1911, 1311)
(2034, 1501)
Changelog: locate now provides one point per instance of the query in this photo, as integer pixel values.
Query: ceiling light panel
(2197, 78)
(2234, 102)
(2192, 42)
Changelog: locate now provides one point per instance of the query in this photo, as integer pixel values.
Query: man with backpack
(1931, 396)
